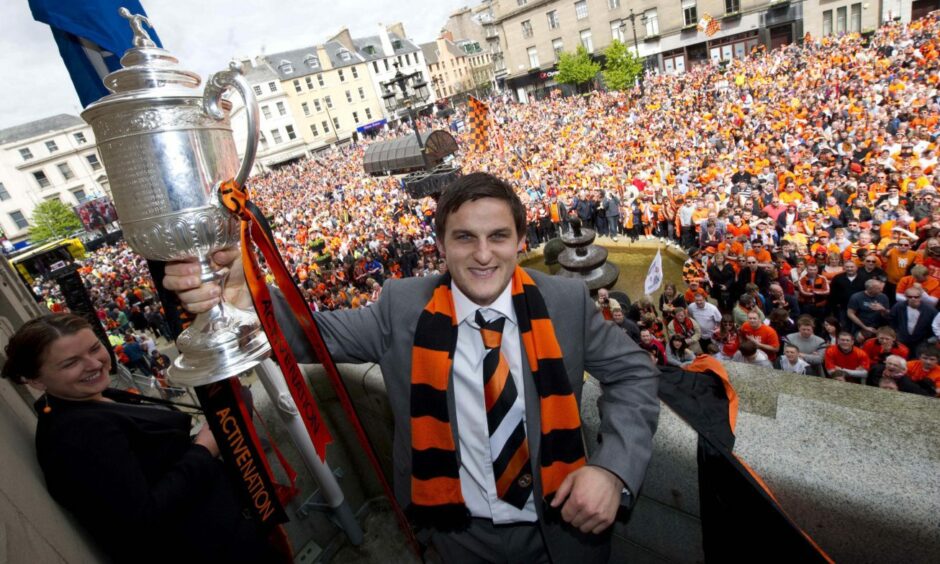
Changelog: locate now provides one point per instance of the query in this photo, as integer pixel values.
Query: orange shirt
(854, 360)
(916, 372)
(897, 263)
(793, 197)
(764, 334)
(762, 256)
(930, 285)
(690, 295)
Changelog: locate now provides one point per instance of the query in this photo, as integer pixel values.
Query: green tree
(577, 68)
(52, 220)
(622, 66)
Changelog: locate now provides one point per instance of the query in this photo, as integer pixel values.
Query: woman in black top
(130, 473)
(669, 301)
(721, 275)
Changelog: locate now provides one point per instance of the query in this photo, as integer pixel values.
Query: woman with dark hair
(129, 472)
(721, 275)
(779, 321)
(726, 338)
(678, 353)
(669, 301)
(830, 330)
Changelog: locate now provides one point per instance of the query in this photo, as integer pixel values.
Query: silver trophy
(166, 149)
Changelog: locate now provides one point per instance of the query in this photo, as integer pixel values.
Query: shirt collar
(464, 307)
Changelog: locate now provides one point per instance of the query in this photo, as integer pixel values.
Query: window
(285, 67)
(553, 22)
(533, 57)
(396, 44)
(386, 64)
(276, 135)
(329, 102)
(855, 19)
(326, 128)
(652, 22)
(4, 195)
(827, 23)
(266, 111)
(93, 161)
(732, 6)
(368, 113)
(309, 81)
(345, 56)
(51, 146)
(79, 195)
(527, 29)
(272, 86)
(689, 12)
(587, 41)
(298, 88)
(320, 79)
(613, 4)
(316, 105)
(356, 117)
(290, 132)
(306, 108)
(558, 46)
(41, 179)
(342, 77)
(616, 31)
(80, 138)
(348, 97)
(26, 153)
(355, 72)
(66, 171)
(311, 61)
(375, 65)
(362, 93)
(19, 219)
(281, 109)
(840, 19)
(263, 140)
(580, 9)
(257, 89)
(335, 123)
(313, 129)
(521, 2)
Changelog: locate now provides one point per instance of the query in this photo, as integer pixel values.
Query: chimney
(385, 41)
(344, 39)
(398, 29)
(446, 34)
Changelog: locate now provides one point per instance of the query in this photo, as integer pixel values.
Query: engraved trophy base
(221, 343)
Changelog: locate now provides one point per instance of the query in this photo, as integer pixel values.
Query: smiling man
(484, 367)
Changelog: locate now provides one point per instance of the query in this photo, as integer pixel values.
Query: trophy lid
(148, 71)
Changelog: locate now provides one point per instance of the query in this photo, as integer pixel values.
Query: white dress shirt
(477, 483)
(707, 317)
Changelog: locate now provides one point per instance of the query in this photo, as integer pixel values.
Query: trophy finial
(137, 21)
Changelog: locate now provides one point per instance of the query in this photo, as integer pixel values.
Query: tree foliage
(52, 220)
(577, 68)
(622, 66)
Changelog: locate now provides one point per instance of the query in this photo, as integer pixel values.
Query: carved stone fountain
(586, 261)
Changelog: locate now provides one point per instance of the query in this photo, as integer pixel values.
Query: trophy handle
(217, 84)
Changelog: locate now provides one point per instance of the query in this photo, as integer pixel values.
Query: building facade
(52, 158)
(534, 33)
(457, 67)
(329, 91)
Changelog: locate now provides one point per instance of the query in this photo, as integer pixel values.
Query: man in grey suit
(480, 225)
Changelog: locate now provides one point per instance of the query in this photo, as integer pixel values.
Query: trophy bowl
(166, 149)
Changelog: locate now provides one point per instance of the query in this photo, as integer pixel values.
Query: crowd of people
(803, 182)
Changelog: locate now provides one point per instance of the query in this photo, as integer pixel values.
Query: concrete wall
(857, 468)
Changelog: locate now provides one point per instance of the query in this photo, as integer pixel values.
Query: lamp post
(406, 91)
(632, 17)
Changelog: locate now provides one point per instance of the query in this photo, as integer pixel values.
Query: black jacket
(133, 478)
(841, 289)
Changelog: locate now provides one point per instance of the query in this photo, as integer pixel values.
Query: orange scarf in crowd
(436, 498)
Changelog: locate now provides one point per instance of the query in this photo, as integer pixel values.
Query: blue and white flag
(654, 276)
(91, 37)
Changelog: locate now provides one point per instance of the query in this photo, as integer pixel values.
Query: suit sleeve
(628, 406)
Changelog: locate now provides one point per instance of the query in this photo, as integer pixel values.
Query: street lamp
(632, 17)
(406, 91)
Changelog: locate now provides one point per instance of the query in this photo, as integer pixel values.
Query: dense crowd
(803, 182)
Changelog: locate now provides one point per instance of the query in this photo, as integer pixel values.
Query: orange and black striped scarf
(436, 498)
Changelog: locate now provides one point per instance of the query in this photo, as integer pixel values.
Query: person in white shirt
(748, 353)
(791, 361)
(708, 318)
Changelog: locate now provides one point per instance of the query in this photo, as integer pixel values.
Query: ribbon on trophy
(255, 231)
(230, 420)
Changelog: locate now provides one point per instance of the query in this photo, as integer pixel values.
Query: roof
(431, 55)
(296, 63)
(335, 49)
(261, 71)
(404, 46)
(39, 127)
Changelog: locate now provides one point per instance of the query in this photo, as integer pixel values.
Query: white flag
(654, 277)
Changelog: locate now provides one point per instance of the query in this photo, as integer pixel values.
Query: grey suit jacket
(629, 407)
